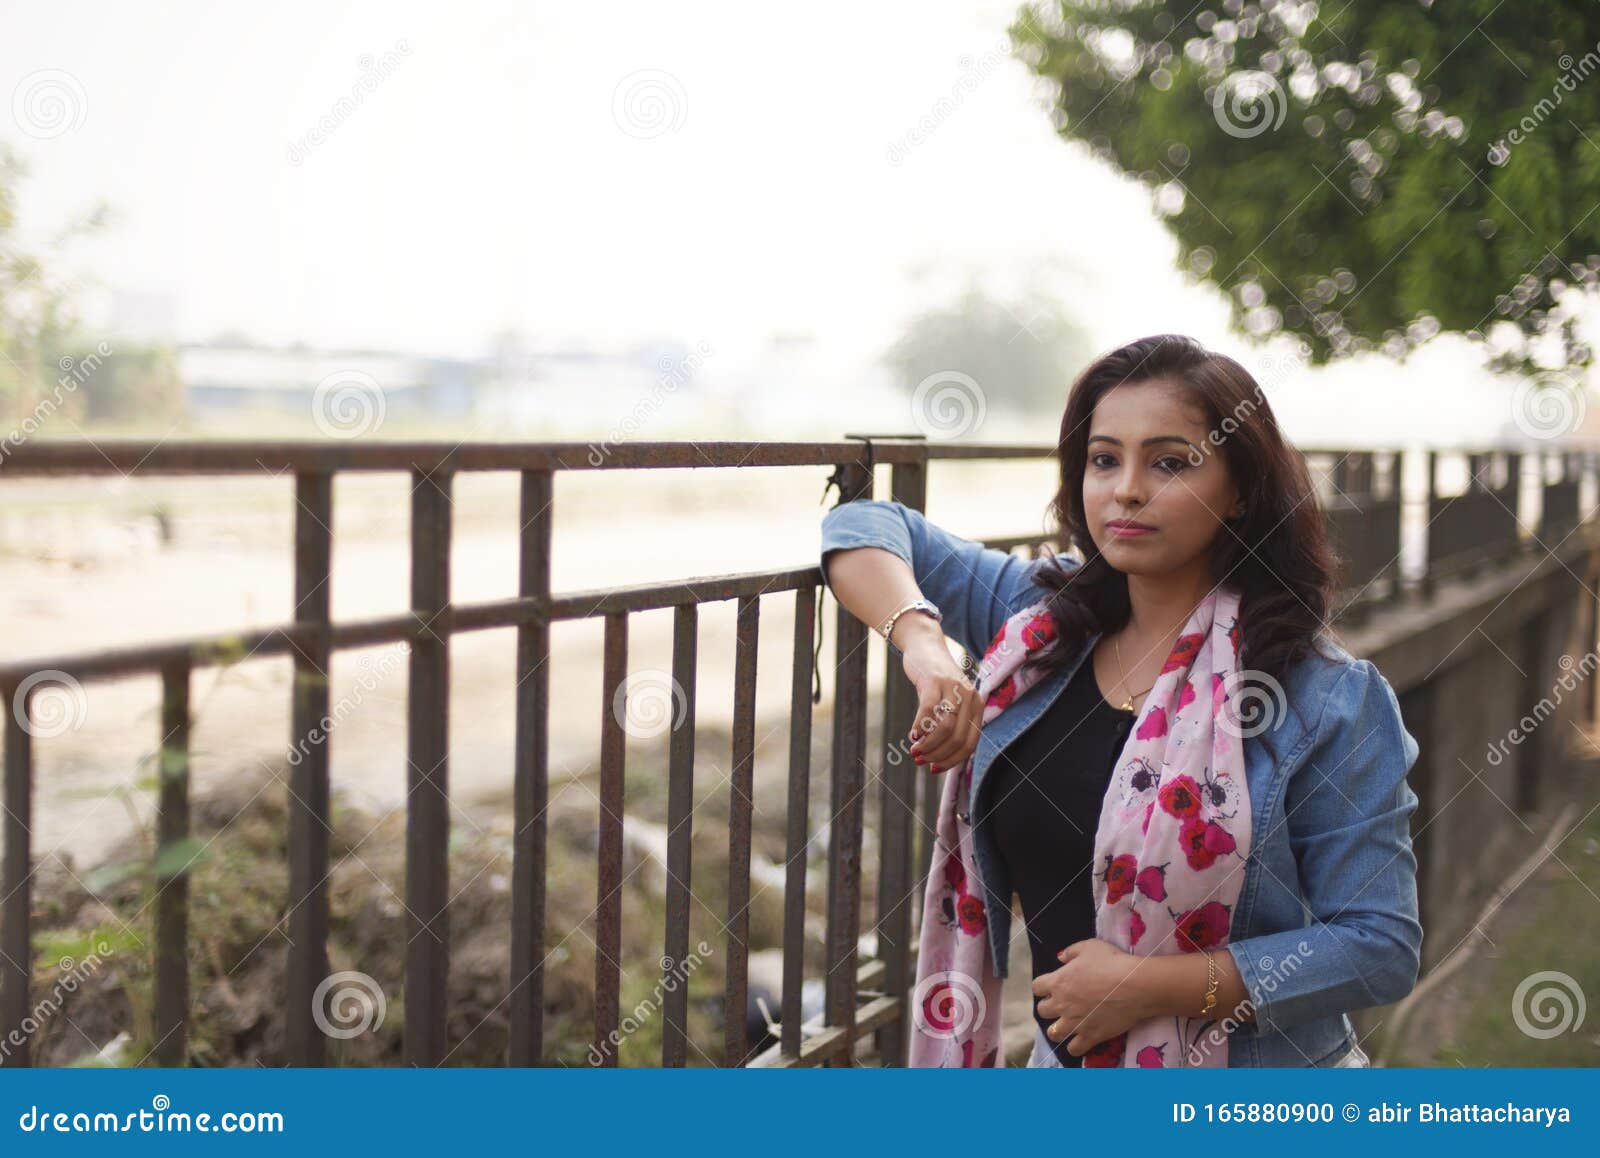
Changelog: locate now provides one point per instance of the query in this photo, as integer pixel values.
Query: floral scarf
(1170, 848)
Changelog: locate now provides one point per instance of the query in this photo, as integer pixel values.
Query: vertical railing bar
(680, 832)
(16, 935)
(428, 801)
(740, 804)
(531, 777)
(172, 878)
(897, 807)
(308, 776)
(608, 909)
(845, 803)
(797, 843)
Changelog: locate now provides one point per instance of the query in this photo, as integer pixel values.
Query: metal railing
(1365, 520)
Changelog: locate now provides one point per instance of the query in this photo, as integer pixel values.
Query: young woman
(1197, 793)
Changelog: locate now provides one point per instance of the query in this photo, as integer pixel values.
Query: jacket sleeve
(975, 587)
(1348, 810)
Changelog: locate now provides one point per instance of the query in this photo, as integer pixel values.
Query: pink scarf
(1169, 857)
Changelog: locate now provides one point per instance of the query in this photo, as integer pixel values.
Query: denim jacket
(1326, 920)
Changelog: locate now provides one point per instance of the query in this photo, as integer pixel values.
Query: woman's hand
(949, 710)
(1092, 996)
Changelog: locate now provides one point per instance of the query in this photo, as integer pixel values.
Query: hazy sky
(719, 172)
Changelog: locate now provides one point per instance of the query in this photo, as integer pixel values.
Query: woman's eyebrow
(1146, 442)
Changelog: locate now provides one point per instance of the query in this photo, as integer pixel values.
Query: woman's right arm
(878, 556)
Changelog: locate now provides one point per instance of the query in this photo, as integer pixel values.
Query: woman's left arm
(1348, 811)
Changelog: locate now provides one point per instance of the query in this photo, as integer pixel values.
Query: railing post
(428, 793)
(845, 803)
(308, 776)
(16, 916)
(531, 777)
(740, 804)
(899, 890)
(173, 860)
(680, 837)
(1428, 584)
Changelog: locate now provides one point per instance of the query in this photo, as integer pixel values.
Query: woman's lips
(1128, 532)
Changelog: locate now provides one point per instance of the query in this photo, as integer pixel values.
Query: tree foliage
(1360, 173)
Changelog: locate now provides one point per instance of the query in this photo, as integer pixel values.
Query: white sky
(487, 181)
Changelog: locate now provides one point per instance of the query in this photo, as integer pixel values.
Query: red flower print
(970, 910)
(955, 874)
(1148, 809)
(1038, 631)
(1152, 882)
(1154, 724)
(966, 1054)
(992, 1058)
(1180, 797)
(1002, 696)
(1135, 928)
(1150, 1057)
(1192, 839)
(939, 1009)
(1183, 652)
(1203, 927)
(1218, 840)
(1235, 637)
(1108, 1054)
(1118, 875)
(1187, 696)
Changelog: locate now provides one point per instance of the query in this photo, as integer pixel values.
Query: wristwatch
(915, 605)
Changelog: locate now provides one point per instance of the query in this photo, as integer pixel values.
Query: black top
(1049, 784)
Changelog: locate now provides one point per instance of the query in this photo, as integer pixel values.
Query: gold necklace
(1127, 703)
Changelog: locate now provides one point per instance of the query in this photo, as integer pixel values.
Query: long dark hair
(1279, 554)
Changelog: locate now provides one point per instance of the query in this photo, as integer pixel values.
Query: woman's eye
(1102, 461)
(1171, 464)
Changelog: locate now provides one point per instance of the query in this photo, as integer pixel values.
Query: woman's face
(1144, 441)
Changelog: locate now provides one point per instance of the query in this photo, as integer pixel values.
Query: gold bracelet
(1211, 983)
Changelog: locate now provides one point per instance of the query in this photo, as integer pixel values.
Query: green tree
(1360, 173)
